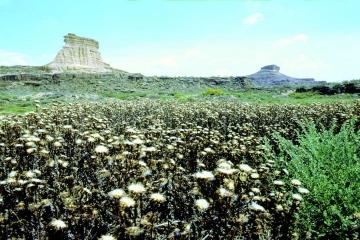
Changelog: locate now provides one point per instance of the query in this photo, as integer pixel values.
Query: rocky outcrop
(79, 53)
(270, 75)
(271, 68)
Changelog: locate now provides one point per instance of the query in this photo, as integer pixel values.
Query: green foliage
(213, 92)
(328, 164)
(16, 108)
(183, 97)
(304, 95)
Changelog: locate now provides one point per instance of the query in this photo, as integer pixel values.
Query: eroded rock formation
(270, 75)
(79, 53)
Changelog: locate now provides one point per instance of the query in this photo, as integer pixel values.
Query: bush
(303, 95)
(328, 164)
(214, 92)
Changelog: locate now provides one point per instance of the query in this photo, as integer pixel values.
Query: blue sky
(306, 38)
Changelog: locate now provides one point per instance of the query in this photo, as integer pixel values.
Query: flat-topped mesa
(79, 53)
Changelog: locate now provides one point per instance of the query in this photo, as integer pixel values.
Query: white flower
(127, 202)
(116, 193)
(137, 141)
(279, 183)
(209, 150)
(224, 164)
(157, 197)
(149, 149)
(206, 175)
(245, 168)
(295, 182)
(58, 224)
(57, 144)
(136, 188)
(101, 149)
(224, 192)
(226, 171)
(107, 237)
(202, 204)
(256, 207)
(303, 190)
(255, 175)
(255, 190)
(297, 197)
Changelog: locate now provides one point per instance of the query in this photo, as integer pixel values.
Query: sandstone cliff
(79, 53)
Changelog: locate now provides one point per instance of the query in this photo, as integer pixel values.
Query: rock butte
(79, 53)
(270, 74)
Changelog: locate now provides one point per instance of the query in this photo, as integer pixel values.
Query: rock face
(270, 75)
(79, 53)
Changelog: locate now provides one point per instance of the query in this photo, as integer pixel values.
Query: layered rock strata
(79, 53)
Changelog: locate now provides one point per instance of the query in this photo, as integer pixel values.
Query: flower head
(256, 207)
(202, 204)
(58, 224)
(295, 182)
(136, 188)
(279, 183)
(127, 202)
(157, 197)
(107, 237)
(245, 168)
(101, 149)
(297, 197)
(116, 193)
(303, 190)
(206, 175)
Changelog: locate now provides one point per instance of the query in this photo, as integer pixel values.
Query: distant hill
(270, 75)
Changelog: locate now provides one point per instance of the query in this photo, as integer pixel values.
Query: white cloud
(12, 58)
(298, 38)
(253, 19)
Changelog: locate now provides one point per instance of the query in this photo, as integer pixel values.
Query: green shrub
(304, 95)
(328, 164)
(213, 92)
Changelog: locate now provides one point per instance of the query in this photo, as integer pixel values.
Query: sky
(306, 38)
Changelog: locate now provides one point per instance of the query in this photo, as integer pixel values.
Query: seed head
(279, 183)
(256, 207)
(295, 182)
(297, 197)
(157, 197)
(245, 168)
(127, 202)
(202, 204)
(107, 237)
(101, 149)
(137, 188)
(303, 191)
(116, 193)
(206, 175)
(58, 224)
